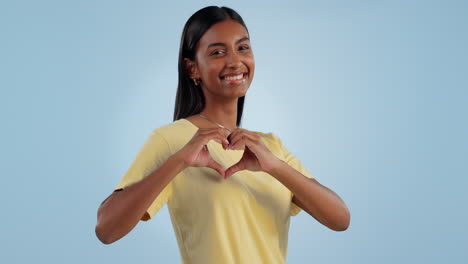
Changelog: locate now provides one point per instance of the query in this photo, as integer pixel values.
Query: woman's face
(224, 60)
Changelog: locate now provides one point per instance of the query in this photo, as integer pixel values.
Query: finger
(238, 144)
(217, 167)
(235, 168)
(224, 134)
(221, 140)
(234, 138)
(253, 143)
(215, 135)
(222, 131)
(240, 140)
(221, 134)
(233, 133)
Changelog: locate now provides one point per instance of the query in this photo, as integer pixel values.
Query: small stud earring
(195, 81)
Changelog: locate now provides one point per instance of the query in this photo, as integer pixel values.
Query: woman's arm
(317, 200)
(122, 210)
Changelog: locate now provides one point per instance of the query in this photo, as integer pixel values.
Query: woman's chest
(205, 189)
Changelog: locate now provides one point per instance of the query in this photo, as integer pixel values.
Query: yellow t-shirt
(244, 219)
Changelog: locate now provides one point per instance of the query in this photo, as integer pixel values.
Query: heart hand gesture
(257, 157)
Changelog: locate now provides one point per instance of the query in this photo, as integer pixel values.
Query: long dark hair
(190, 99)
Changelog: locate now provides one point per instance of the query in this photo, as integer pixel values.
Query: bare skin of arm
(122, 210)
(317, 200)
(320, 202)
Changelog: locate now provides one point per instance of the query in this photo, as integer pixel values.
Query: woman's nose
(233, 59)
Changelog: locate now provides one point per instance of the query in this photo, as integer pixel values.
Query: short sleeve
(152, 155)
(292, 161)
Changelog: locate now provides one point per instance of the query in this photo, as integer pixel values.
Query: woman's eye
(217, 52)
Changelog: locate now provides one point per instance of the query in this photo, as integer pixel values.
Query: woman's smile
(234, 79)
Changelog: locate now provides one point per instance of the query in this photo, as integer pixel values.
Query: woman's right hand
(195, 153)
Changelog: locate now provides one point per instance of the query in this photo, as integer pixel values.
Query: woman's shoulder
(177, 126)
(173, 133)
(172, 127)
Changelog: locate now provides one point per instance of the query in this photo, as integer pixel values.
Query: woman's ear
(191, 68)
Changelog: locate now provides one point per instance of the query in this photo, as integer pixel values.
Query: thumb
(235, 168)
(217, 167)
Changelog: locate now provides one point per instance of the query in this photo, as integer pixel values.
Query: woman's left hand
(257, 157)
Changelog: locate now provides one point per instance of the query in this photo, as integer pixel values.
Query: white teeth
(236, 77)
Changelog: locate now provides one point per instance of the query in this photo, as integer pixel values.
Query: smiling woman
(230, 191)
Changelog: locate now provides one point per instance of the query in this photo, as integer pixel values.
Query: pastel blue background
(369, 95)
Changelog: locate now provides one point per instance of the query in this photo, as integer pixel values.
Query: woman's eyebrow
(224, 45)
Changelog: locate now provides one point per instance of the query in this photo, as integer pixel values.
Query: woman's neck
(224, 113)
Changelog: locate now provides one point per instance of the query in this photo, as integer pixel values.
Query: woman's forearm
(122, 210)
(319, 201)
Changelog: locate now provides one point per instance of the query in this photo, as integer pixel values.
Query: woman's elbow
(343, 222)
(105, 232)
(100, 234)
(346, 222)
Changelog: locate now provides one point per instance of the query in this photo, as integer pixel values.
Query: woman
(230, 191)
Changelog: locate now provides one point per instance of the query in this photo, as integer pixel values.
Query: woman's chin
(240, 93)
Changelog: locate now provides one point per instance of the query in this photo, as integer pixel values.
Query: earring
(195, 82)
